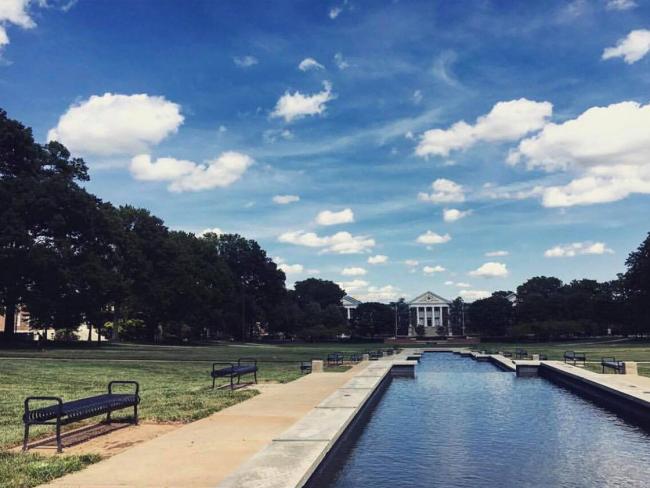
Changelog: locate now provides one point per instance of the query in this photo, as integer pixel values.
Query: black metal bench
(507, 354)
(64, 413)
(389, 352)
(233, 370)
(575, 357)
(355, 358)
(374, 355)
(305, 367)
(521, 354)
(335, 359)
(612, 363)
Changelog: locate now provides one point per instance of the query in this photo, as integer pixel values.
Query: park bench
(64, 413)
(507, 354)
(355, 358)
(575, 357)
(389, 352)
(233, 370)
(374, 355)
(521, 354)
(612, 363)
(543, 357)
(305, 367)
(334, 359)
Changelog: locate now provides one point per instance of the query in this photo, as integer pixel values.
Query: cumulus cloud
(378, 259)
(411, 262)
(577, 248)
(310, 63)
(620, 4)
(116, 124)
(494, 254)
(326, 217)
(14, 12)
(453, 214)
(491, 270)
(285, 199)
(430, 237)
(607, 148)
(353, 271)
(379, 293)
(245, 61)
(339, 243)
(293, 106)
(433, 269)
(472, 295)
(507, 121)
(631, 48)
(291, 268)
(352, 286)
(444, 191)
(186, 175)
(211, 230)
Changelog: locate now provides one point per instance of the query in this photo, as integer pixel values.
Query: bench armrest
(608, 360)
(222, 363)
(58, 400)
(246, 361)
(119, 382)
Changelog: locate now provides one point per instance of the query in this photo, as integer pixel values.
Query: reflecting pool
(464, 423)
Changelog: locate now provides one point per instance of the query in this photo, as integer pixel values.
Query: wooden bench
(64, 413)
(575, 357)
(612, 363)
(242, 367)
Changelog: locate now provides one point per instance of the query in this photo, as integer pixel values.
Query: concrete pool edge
(293, 457)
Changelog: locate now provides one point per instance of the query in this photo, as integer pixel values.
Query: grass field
(174, 380)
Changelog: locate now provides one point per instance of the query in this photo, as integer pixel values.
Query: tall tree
(636, 282)
(491, 316)
(540, 299)
(323, 292)
(374, 319)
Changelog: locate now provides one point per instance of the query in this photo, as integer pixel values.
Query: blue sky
(528, 122)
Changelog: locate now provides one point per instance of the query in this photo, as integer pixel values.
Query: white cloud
(291, 268)
(608, 148)
(453, 214)
(116, 124)
(326, 217)
(631, 48)
(335, 12)
(245, 61)
(293, 106)
(14, 12)
(430, 237)
(433, 269)
(507, 121)
(186, 175)
(577, 248)
(417, 97)
(620, 4)
(494, 254)
(472, 295)
(460, 284)
(379, 294)
(449, 283)
(352, 286)
(444, 191)
(378, 259)
(491, 270)
(285, 199)
(310, 63)
(339, 243)
(411, 262)
(273, 135)
(353, 271)
(213, 230)
(340, 62)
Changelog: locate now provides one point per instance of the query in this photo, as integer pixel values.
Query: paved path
(203, 453)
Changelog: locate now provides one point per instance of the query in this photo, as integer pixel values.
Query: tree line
(547, 308)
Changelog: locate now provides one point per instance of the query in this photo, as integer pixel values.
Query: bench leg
(213, 380)
(232, 385)
(108, 418)
(255, 376)
(59, 449)
(26, 437)
(135, 414)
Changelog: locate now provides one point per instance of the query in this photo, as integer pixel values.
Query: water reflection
(462, 423)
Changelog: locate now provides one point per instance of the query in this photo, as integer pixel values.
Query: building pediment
(429, 298)
(348, 301)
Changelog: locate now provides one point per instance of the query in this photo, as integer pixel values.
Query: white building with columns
(430, 311)
(349, 304)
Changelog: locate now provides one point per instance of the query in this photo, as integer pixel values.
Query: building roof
(429, 298)
(348, 300)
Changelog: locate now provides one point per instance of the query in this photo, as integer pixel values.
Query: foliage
(636, 287)
(374, 319)
(491, 316)
(323, 292)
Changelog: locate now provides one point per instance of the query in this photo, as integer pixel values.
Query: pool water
(463, 423)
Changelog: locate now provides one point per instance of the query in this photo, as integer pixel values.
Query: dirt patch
(103, 439)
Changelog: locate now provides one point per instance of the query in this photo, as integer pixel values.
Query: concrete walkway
(203, 453)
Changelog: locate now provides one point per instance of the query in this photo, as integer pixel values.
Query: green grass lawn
(174, 381)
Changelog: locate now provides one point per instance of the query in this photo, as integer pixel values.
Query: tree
(540, 299)
(491, 316)
(457, 316)
(373, 319)
(402, 314)
(34, 180)
(323, 292)
(636, 284)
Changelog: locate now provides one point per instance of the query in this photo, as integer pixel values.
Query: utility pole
(396, 320)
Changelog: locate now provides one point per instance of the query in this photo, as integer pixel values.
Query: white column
(349, 314)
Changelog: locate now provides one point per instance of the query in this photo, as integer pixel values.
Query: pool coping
(292, 458)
